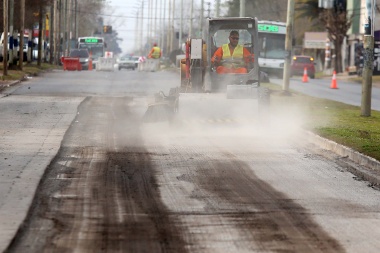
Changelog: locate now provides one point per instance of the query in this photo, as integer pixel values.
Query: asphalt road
(212, 180)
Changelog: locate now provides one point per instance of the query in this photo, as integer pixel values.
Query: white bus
(272, 46)
(95, 45)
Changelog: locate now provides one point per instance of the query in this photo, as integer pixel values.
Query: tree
(337, 24)
(336, 21)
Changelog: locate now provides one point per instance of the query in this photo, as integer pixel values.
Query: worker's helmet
(155, 44)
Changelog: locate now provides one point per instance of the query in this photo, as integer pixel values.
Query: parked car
(83, 55)
(300, 62)
(126, 63)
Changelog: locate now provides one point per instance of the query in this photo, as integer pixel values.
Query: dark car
(300, 62)
(83, 55)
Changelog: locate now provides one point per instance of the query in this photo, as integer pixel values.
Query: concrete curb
(11, 83)
(357, 163)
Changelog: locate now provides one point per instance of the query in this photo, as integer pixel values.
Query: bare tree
(337, 23)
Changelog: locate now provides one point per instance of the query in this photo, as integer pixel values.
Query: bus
(272, 36)
(95, 45)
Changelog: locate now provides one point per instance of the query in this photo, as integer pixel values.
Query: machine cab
(218, 32)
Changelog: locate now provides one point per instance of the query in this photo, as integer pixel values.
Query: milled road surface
(119, 185)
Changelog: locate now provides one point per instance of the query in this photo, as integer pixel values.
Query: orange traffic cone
(333, 81)
(305, 78)
(90, 62)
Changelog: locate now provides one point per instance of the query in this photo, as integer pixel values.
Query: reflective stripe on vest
(156, 52)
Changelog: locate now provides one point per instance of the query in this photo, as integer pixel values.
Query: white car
(126, 63)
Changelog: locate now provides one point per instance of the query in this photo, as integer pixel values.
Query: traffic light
(340, 5)
(107, 29)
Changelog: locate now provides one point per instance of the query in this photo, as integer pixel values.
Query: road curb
(361, 165)
(7, 85)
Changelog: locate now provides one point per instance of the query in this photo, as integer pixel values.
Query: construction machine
(199, 75)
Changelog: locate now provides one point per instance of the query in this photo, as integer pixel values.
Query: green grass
(336, 121)
(28, 69)
(359, 79)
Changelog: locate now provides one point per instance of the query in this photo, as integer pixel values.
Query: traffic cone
(333, 81)
(90, 62)
(305, 78)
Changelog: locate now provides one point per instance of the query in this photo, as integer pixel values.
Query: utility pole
(69, 26)
(142, 29)
(5, 28)
(76, 20)
(51, 33)
(217, 8)
(40, 29)
(208, 9)
(57, 43)
(22, 28)
(368, 44)
(172, 34)
(163, 27)
(242, 8)
(288, 45)
(180, 27)
(150, 8)
(64, 33)
(201, 17)
(155, 23)
(191, 19)
(168, 35)
(11, 37)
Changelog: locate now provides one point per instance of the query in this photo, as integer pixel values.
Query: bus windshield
(96, 50)
(94, 45)
(272, 46)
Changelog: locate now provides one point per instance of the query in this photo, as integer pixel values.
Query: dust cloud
(205, 116)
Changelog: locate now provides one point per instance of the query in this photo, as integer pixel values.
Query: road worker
(231, 51)
(155, 52)
(154, 58)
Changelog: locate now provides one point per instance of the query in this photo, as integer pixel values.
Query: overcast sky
(122, 17)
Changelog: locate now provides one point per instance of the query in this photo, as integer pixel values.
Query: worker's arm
(150, 53)
(217, 57)
(248, 57)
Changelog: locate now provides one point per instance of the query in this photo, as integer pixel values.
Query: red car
(300, 62)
